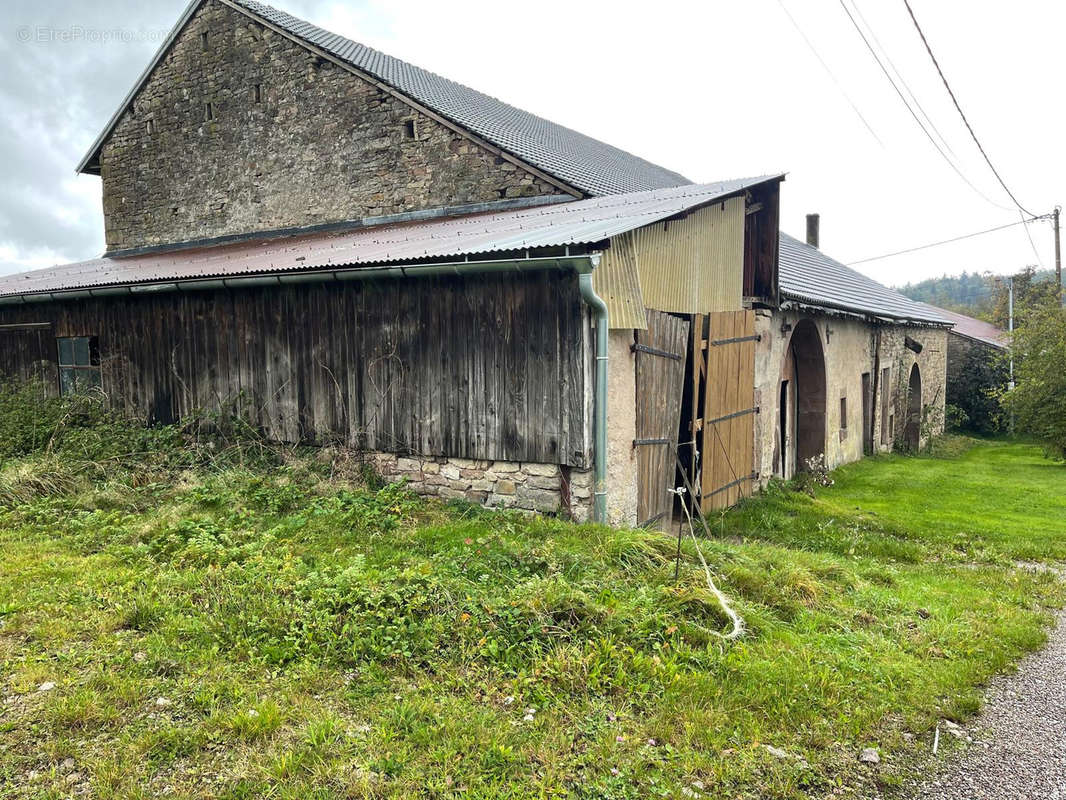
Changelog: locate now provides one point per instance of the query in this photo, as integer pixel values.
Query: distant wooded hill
(971, 293)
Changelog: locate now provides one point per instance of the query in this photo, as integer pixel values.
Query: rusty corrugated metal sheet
(694, 265)
(617, 282)
(580, 222)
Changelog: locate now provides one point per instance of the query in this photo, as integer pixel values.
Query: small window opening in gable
(257, 93)
(203, 41)
(149, 126)
(79, 364)
(409, 131)
(209, 112)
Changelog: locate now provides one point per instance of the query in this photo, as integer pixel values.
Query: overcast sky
(713, 89)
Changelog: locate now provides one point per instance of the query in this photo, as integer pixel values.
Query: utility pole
(1010, 323)
(1058, 254)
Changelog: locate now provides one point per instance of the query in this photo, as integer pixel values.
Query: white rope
(723, 601)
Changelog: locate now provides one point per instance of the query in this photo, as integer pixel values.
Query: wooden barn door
(728, 425)
(660, 382)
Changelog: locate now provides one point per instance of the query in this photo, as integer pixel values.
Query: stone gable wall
(292, 140)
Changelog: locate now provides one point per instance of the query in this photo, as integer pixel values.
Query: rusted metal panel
(617, 282)
(694, 264)
(582, 222)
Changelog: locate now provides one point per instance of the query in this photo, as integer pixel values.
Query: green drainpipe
(599, 312)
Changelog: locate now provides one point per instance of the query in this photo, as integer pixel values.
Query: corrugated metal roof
(978, 330)
(577, 160)
(578, 222)
(810, 276)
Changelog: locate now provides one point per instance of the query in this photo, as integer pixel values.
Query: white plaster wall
(849, 349)
(621, 429)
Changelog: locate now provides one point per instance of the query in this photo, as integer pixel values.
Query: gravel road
(1019, 748)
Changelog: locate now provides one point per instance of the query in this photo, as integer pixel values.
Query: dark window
(79, 363)
(209, 112)
(843, 413)
(148, 126)
(203, 40)
(409, 129)
(259, 93)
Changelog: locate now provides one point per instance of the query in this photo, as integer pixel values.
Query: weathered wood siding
(660, 386)
(28, 353)
(481, 367)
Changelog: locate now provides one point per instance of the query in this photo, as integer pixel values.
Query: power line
(1032, 244)
(958, 108)
(902, 80)
(947, 241)
(903, 99)
(832, 75)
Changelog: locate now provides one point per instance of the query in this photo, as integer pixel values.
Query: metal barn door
(660, 382)
(728, 468)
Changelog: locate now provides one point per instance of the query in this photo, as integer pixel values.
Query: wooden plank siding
(482, 367)
(660, 385)
(29, 353)
(728, 440)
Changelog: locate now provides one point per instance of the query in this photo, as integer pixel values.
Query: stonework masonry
(848, 346)
(241, 130)
(546, 488)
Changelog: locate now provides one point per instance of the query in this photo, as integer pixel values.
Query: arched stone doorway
(913, 432)
(801, 409)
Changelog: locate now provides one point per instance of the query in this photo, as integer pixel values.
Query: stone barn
(363, 253)
(845, 367)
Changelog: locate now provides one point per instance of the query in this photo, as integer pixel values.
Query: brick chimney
(812, 229)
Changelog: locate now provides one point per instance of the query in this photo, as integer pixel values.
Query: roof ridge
(572, 158)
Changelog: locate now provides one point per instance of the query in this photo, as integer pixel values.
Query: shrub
(1038, 399)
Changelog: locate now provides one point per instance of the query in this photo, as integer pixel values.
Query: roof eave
(866, 314)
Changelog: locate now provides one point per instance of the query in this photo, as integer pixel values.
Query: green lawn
(235, 634)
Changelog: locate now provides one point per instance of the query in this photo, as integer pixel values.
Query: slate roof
(808, 275)
(580, 161)
(970, 328)
(448, 238)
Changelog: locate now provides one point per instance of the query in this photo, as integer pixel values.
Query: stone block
(537, 499)
(506, 487)
(540, 470)
(505, 467)
(539, 482)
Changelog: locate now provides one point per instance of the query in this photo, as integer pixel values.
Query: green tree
(975, 385)
(1038, 399)
(1032, 291)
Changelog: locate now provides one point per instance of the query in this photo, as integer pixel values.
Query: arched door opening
(913, 432)
(802, 412)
